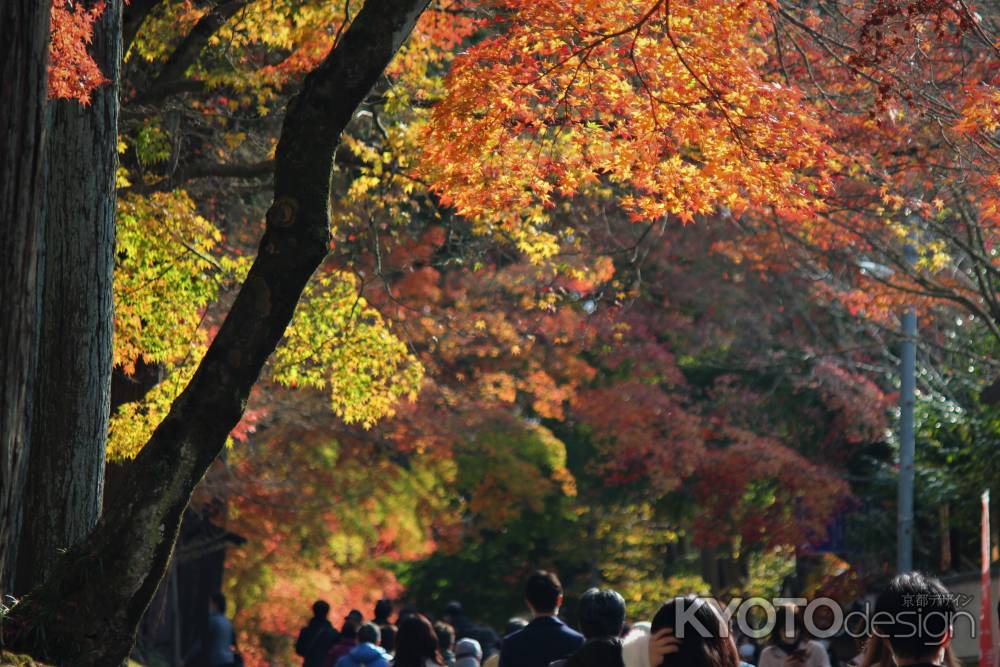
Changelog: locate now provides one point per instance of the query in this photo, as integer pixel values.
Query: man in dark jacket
(383, 610)
(316, 638)
(545, 638)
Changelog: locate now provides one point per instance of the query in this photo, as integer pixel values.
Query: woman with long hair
(417, 643)
(685, 632)
(790, 646)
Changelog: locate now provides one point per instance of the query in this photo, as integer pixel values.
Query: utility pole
(907, 443)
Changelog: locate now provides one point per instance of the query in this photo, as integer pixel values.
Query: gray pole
(907, 444)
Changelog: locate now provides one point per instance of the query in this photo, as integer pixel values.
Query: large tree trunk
(86, 612)
(24, 42)
(69, 436)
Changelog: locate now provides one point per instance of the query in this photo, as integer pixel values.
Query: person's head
(405, 612)
(453, 609)
(787, 627)
(356, 617)
(416, 642)
(705, 639)
(445, 634)
(543, 593)
(383, 610)
(602, 613)
(914, 614)
(600, 652)
(388, 637)
(876, 653)
(468, 653)
(513, 625)
(217, 602)
(349, 630)
(369, 633)
(321, 609)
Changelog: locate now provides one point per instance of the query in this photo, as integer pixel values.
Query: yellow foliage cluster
(339, 343)
(167, 275)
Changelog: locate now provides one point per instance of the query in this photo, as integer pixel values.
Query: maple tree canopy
(516, 334)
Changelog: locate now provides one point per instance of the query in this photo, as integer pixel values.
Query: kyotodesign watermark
(823, 618)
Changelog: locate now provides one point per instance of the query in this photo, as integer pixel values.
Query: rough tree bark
(24, 54)
(86, 612)
(73, 380)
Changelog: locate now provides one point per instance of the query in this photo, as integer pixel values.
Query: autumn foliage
(73, 74)
(517, 324)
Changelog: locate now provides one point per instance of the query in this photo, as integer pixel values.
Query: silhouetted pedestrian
(317, 637)
(416, 643)
(546, 638)
(383, 610)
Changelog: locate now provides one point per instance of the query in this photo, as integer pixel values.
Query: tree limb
(134, 15)
(245, 170)
(86, 613)
(187, 52)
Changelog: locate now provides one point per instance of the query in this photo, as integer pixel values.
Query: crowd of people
(603, 638)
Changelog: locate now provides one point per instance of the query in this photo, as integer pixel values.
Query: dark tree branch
(230, 170)
(196, 170)
(164, 90)
(244, 170)
(135, 13)
(188, 51)
(86, 613)
(991, 395)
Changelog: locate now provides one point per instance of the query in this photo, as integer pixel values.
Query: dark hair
(602, 613)
(416, 643)
(405, 612)
(513, 625)
(389, 637)
(453, 608)
(786, 616)
(321, 608)
(349, 630)
(445, 634)
(601, 652)
(705, 642)
(542, 591)
(927, 607)
(369, 634)
(383, 609)
(876, 653)
(219, 600)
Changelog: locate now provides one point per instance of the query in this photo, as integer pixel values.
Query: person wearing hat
(468, 653)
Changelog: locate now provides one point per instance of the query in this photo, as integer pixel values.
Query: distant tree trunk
(710, 567)
(87, 611)
(69, 436)
(24, 54)
(944, 519)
